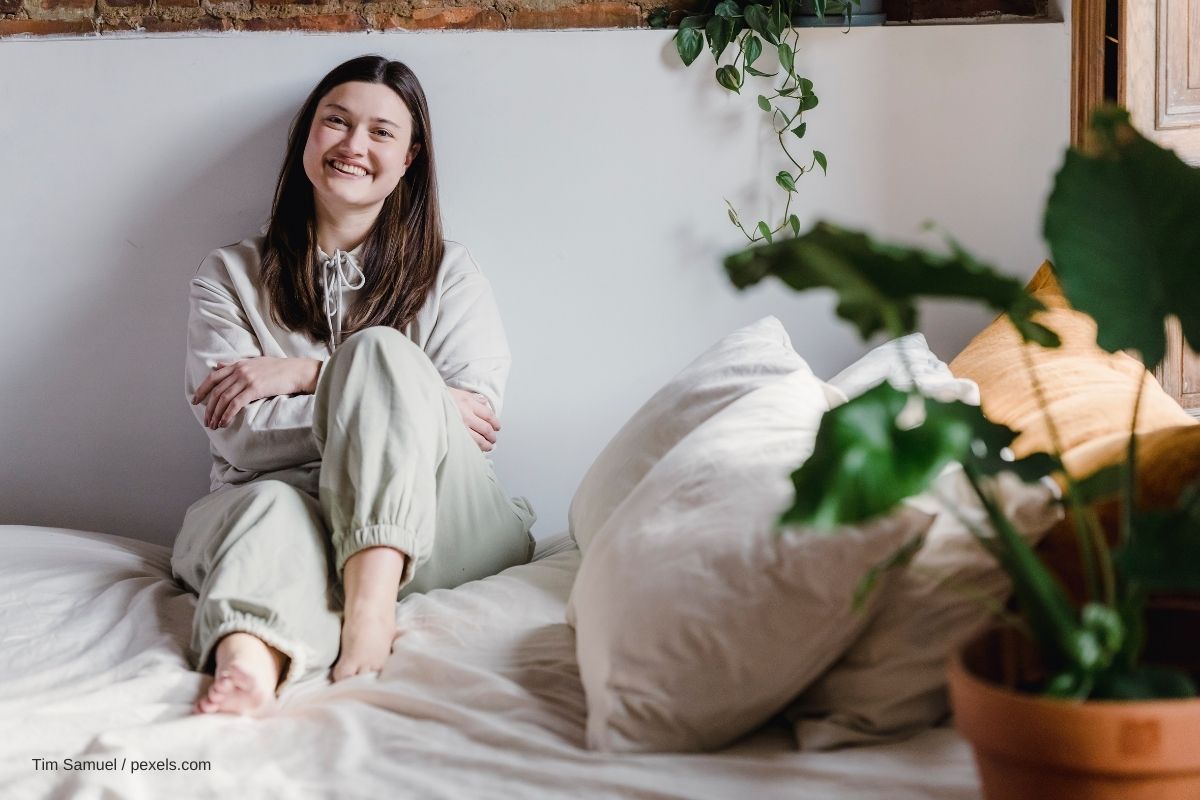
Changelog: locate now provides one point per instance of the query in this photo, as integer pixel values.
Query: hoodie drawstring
(333, 278)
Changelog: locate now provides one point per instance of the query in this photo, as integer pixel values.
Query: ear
(412, 154)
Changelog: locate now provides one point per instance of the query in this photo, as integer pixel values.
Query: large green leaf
(876, 450)
(878, 284)
(1123, 231)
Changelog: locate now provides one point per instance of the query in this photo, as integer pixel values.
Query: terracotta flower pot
(1029, 747)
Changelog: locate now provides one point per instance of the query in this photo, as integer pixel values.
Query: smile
(347, 169)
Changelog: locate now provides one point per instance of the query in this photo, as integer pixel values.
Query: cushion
(736, 365)
(1089, 392)
(891, 682)
(893, 362)
(1090, 395)
(695, 622)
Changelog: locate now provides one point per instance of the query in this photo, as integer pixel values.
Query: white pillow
(695, 622)
(891, 682)
(739, 363)
(886, 363)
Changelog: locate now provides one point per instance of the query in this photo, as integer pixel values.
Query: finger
(482, 428)
(221, 397)
(218, 373)
(484, 444)
(239, 402)
(486, 411)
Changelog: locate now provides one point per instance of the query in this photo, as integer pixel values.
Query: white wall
(585, 170)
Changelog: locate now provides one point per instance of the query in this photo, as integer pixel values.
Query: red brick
(314, 22)
(205, 23)
(178, 4)
(10, 6)
(584, 15)
(442, 18)
(45, 27)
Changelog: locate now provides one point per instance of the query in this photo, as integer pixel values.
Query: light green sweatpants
(398, 468)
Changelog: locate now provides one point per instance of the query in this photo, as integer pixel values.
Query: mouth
(347, 169)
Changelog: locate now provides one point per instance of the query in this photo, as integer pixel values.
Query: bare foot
(367, 637)
(246, 676)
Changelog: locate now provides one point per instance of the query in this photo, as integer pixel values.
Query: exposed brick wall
(99, 17)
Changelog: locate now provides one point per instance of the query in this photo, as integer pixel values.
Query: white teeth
(349, 169)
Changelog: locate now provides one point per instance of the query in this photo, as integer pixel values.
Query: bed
(481, 698)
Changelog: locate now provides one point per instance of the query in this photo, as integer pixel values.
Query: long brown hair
(403, 251)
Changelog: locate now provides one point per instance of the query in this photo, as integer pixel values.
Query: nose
(356, 139)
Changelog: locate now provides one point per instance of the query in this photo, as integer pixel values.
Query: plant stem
(1092, 547)
(1129, 484)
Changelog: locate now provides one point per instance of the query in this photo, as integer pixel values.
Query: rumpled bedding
(481, 698)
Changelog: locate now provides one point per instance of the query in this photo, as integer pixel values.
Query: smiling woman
(341, 479)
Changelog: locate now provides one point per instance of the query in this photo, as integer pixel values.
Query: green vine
(753, 26)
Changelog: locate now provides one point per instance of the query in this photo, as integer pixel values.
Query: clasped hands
(230, 387)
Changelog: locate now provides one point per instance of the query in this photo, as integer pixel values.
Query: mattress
(481, 698)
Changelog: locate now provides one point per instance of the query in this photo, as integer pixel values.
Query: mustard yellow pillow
(1089, 392)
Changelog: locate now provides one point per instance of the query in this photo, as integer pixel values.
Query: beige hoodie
(458, 327)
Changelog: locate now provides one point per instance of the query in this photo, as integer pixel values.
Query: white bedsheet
(481, 698)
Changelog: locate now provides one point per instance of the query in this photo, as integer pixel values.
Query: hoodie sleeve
(268, 434)
(467, 344)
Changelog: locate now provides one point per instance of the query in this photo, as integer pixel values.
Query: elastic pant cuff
(394, 536)
(238, 622)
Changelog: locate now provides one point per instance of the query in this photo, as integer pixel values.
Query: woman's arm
(467, 343)
(270, 433)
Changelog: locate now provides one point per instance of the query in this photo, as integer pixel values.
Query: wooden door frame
(1087, 63)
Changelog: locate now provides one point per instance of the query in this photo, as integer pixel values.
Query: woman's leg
(257, 555)
(399, 470)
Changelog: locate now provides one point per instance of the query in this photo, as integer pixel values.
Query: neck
(344, 230)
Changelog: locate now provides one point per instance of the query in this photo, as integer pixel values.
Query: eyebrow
(377, 119)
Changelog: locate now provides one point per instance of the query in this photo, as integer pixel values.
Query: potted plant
(1084, 702)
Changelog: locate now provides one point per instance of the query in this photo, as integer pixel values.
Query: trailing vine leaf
(719, 31)
(658, 18)
(794, 221)
(1127, 202)
(808, 102)
(756, 18)
(822, 162)
(727, 8)
(865, 461)
(786, 57)
(688, 42)
(753, 47)
(800, 129)
(728, 77)
(764, 103)
(764, 230)
(785, 181)
(878, 284)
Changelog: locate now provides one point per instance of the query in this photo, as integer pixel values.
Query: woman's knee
(381, 341)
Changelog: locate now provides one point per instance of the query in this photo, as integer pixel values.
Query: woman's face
(358, 147)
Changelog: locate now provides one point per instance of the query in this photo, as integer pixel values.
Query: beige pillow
(739, 363)
(891, 683)
(695, 622)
